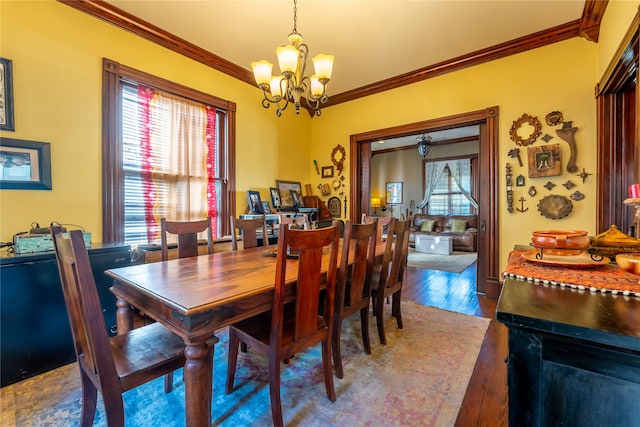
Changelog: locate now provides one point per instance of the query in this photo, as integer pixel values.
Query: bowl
(629, 262)
(561, 242)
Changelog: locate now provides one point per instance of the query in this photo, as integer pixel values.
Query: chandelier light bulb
(323, 64)
(262, 72)
(288, 59)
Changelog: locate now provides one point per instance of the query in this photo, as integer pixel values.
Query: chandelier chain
(295, 16)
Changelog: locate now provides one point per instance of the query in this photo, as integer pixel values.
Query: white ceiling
(372, 40)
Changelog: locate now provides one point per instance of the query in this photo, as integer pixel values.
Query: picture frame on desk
(394, 193)
(25, 165)
(284, 190)
(255, 204)
(266, 209)
(275, 198)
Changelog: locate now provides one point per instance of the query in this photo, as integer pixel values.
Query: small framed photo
(255, 204)
(394, 193)
(25, 165)
(275, 198)
(6, 95)
(327, 171)
(265, 208)
(520, 181)
(295, 196)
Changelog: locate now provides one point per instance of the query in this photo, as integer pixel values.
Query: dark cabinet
(574, 356)
(34, 328)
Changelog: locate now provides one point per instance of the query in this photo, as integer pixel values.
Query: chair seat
(143, 350)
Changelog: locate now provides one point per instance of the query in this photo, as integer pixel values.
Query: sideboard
(574, 355)
(34, 328)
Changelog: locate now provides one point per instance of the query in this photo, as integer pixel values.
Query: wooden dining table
(194, 298)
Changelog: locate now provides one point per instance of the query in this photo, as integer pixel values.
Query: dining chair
(249, 229)
(108, 365)
(388, 283)
(296, 222)
(353, 289)
(383, 224)
(290, 328)
(187, 232)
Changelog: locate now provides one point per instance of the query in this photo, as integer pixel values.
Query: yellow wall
(57, 78)
(614, 25)
(57, 54)
(557, 77)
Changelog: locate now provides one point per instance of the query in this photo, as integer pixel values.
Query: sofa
(462, 229)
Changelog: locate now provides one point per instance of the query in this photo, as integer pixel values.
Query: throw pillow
(427, 225)
(458, 225)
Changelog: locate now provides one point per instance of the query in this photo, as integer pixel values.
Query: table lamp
(375, 204)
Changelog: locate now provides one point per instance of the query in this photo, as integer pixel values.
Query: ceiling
(372, 40)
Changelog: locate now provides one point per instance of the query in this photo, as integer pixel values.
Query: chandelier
(293, 85)
(424, 143)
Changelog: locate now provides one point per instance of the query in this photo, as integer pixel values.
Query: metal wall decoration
(555, 206)
(568, 185)
(514, 153)
(549, 185)
(554, 118)
(546, 138)
(509, 188)
(577, 195)
(583, 175)
(522, 208)
(334, 206)
(532, 191)
(533, 134)
(544, 161)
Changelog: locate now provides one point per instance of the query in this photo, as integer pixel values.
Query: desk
(194, 297)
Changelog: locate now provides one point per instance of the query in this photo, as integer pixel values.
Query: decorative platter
(555, 206)
(570, 261)
(334, 206)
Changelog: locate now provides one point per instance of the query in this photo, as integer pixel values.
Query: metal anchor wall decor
(522, 208)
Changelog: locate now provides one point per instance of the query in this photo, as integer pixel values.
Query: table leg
(198, 382)
(124, 316)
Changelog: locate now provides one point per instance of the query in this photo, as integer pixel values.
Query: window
(166, 155)
(447, 198)
(449, 187)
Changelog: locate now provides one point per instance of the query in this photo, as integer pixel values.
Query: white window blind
(447, 198)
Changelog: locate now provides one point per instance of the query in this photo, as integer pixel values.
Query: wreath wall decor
(517, 124)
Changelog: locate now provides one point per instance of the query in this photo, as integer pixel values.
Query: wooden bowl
(629, 262)
(561, 242)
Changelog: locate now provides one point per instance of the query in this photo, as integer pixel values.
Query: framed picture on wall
(394, 193)
(6, 95)
(25, 165)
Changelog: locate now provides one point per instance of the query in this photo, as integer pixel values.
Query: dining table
(195, 297)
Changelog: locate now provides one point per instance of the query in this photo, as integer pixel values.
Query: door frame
(488, 280)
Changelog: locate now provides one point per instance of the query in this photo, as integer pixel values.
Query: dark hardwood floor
(486, 400)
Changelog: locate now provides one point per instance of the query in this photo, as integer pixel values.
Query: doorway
(488, 280)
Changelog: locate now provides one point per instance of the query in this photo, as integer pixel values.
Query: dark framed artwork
(255, 204)
(544, 161)
(284, 189)
(295, 196)
(6, 95)
(327, 171)
(275, 198)
(266, 209)
(25, 165)
(394, 193)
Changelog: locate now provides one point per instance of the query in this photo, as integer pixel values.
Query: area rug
(457, 262)
(418, 379)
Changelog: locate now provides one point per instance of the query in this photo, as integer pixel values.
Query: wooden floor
(486, 400)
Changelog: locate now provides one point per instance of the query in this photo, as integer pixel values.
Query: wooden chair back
(353, 289)
(187, 232)
(309, 245)
(88, 327)
(383, 224)
(249, 229)
(298, 221)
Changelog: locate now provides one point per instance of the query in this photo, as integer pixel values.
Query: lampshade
(375, 202)
(262, 72)
(323, 64)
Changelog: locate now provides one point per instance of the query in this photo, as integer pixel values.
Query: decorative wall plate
(555, 206)
(335, 207)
